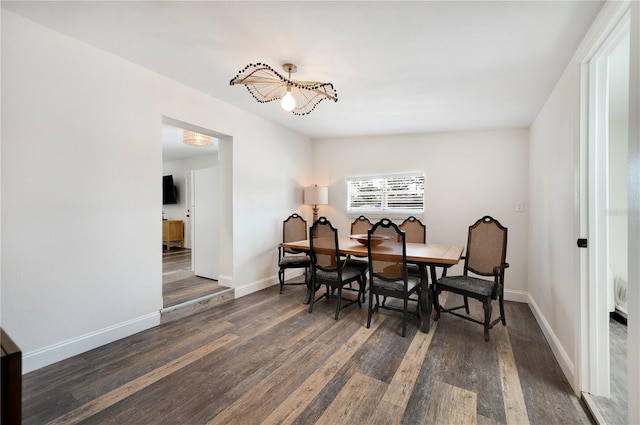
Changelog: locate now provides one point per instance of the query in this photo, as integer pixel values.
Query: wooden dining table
(423, 255)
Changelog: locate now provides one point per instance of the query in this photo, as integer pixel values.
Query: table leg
(425, 300)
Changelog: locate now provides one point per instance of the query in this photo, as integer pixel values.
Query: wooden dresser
(172, 230)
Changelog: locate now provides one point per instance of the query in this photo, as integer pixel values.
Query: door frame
(594, 316)
(225, 163)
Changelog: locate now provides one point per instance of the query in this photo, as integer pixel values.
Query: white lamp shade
(196, 139)
(315, 195)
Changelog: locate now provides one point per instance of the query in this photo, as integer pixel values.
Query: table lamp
(315, 196)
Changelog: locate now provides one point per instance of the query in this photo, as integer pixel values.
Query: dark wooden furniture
(388, 275)
(360, 225)
(294, 228)
(425, 255)
(486, 254)
(327, 267)
(415, 232)
(11, 398)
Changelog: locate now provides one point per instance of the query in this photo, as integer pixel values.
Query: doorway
(190, 168)
(604, 348)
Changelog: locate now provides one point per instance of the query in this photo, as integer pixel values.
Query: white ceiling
(398, 67)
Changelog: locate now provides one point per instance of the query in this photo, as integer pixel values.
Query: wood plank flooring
(263, 359)
(615, 409)
(179, 284)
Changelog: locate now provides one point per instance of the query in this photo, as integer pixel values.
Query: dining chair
(416, 233)
(388, 275)
(294, 228)
(485, 256)
(328, 268)
(414, 229)
(360, 226)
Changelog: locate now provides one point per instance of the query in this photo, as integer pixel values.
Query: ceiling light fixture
(192, 138)
(299, 97)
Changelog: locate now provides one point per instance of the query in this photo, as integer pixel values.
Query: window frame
(384, 210)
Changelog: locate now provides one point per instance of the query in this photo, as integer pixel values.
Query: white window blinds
(394, 193)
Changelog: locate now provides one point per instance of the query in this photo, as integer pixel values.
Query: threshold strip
(196, 300)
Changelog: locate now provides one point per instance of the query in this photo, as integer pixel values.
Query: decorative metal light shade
(266, 85)
(196, 139)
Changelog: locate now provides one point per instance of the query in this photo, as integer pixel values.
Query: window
(388, 194)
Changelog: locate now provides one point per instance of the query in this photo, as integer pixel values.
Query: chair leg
(339, 302)
(370, 306)
(487, 318)
(281, 279)
(312, 294)
(466, 304)
(501, 301)
(436, 303)
(405, 313)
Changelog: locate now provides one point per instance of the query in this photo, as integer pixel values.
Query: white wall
(553, 278)
(556, 194)
(81, 162)
(467, 175)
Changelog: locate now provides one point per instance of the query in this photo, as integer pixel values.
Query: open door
(205, 220)
(604, 383)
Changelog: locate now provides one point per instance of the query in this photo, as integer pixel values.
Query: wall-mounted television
(169, 192)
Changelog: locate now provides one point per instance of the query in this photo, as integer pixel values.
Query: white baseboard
(509, 295)
(63, 350)
(516, 296)
(224, 280)
(265, 283)
(559, 352)
(256, 286)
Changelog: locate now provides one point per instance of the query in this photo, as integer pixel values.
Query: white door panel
(206, 225)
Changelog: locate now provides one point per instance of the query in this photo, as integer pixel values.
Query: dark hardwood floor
(615, 409)
(264, 359)
(179, 284)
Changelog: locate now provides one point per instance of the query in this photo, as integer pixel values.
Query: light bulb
(288, 102)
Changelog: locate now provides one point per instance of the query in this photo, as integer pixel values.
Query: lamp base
(315, 213)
